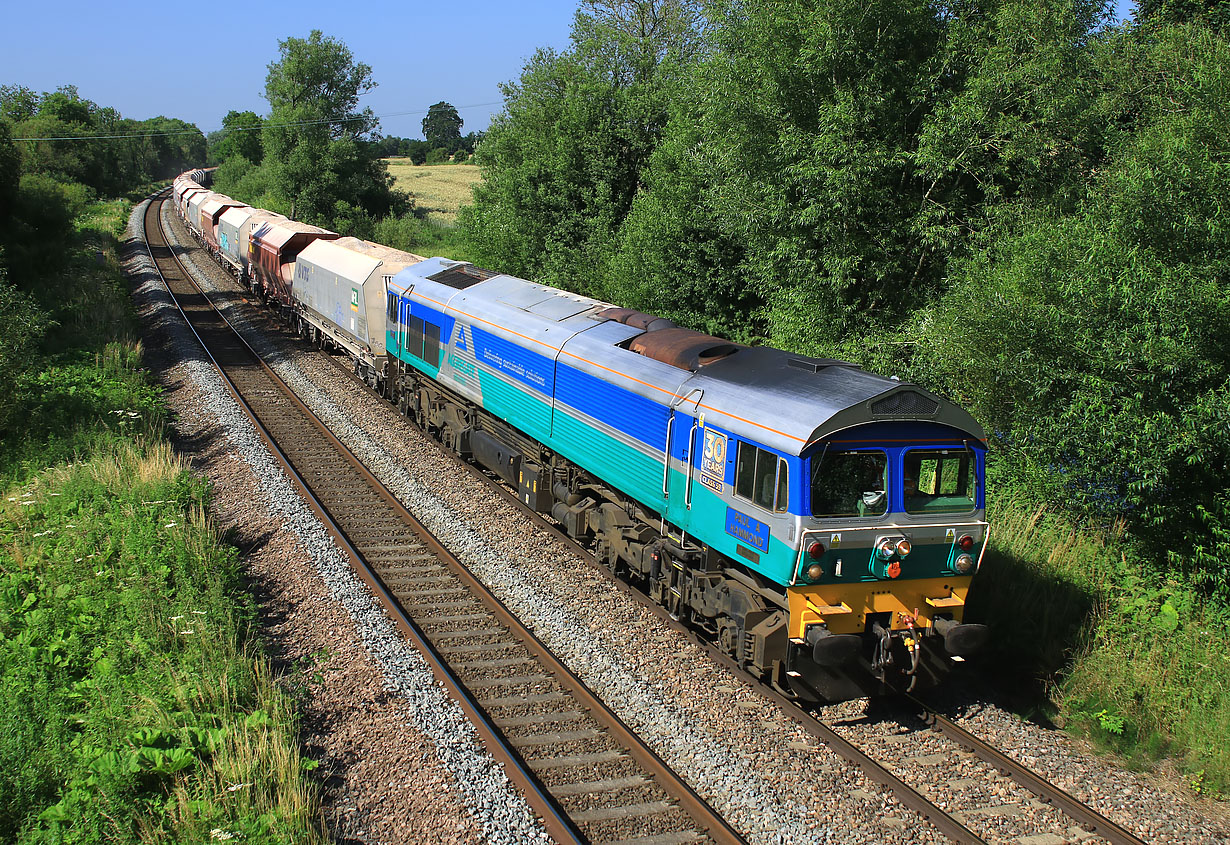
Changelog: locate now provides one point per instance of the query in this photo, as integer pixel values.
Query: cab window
(849, 484)
(762, 477)
(392, 310)
(939, 481)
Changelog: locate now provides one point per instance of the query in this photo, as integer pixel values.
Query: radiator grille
(907, 403)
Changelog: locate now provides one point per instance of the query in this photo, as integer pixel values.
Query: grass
(1134, 660)
(439, 190)
(138, 706)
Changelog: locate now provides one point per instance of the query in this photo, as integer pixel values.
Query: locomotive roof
(789, 402)
(781, 400)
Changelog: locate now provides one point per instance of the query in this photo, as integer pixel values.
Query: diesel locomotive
(822, 524)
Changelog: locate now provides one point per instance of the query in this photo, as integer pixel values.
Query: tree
(562, 163)
(317, 142)
(241, 136)
(17, 103)
(442, 126)
(1093, 336)
(1215, 13)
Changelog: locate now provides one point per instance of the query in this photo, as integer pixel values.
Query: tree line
(84, 143)
(1017, 203)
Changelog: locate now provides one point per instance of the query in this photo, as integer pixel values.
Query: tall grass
(1134, 660)
(137, 706)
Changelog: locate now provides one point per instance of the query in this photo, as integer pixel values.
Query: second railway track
(588, 776)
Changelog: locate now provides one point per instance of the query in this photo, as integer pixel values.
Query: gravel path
(755, 765)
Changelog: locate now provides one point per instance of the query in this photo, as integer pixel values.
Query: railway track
(950, 823)
(586, 774)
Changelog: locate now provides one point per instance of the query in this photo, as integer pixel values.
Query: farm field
(438, 189)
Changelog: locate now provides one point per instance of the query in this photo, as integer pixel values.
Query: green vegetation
(1133, 658)
(138, 706)
(442, 126)
(317, 162)
(154, 149)
(1016, 204)
(318, 158)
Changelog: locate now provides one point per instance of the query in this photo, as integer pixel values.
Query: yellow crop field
(440, 189)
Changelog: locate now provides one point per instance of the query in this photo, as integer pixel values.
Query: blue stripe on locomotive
(507, 358)
(636, 416)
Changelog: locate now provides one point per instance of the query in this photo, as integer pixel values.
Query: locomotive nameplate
(750, 531)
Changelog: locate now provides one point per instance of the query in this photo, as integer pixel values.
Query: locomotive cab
(892, 533)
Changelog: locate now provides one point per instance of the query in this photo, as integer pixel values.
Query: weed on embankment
(1137, 662)
(138, 707)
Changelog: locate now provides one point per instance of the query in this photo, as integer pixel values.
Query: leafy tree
(317, 141)
(814, 113)
(10, 178)
(1094, 338)
(1215, 13)
(442, 126)
(67, 105)
(17, 103)
(674, 257)
(562, 163)
(240, 136)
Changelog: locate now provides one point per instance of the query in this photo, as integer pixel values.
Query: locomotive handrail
(687, 490)
(666, 455)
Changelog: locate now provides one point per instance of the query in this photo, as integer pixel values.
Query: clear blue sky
(213, 57)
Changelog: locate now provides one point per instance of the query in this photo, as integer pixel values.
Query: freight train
(821, 524)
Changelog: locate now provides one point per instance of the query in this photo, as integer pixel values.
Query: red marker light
(966, 543)
(815, 551)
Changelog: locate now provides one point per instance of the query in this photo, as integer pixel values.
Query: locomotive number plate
(713, 459)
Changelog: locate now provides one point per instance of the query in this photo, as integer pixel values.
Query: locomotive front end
(895, 535)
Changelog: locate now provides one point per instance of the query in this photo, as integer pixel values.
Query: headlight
(903, 548)
(963, 564)
(886, 549)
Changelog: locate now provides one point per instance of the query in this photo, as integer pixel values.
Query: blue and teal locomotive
(820, 522)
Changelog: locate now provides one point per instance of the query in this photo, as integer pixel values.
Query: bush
(24, 324)
(438, 155)
(460, 156)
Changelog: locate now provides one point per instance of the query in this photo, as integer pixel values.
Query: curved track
(587, 775)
